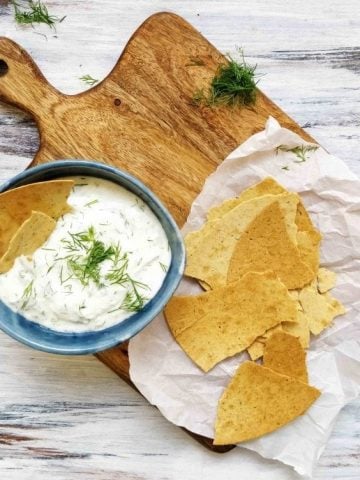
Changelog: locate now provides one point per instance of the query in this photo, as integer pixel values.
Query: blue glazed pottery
(67, 343)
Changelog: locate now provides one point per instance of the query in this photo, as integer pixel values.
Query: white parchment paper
(188, 397)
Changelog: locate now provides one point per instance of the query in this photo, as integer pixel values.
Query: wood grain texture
(141, 118)
(308, 52)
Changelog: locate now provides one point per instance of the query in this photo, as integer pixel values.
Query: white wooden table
(72, 418)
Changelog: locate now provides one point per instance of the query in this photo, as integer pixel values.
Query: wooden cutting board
(141, 119)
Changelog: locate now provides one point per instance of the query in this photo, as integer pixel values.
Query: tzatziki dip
(103, 262)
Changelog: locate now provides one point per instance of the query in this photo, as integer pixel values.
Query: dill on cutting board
(234, 85)
(36, 12)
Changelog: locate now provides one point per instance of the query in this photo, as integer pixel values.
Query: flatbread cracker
(303, 220)
(284, 354)
(244, 312)
(307, 237)
(210, 249)
(182, 311)
(294, 294)
(308, 243)
(268, 186)
(320, 308)
(29, 237)
(266, 245)
(258, 401)
(256, 349)
(17, 204)
(326, 280)
(299, 329)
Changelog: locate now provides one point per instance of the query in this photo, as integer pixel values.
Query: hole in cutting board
(4, 68)
(117, 102)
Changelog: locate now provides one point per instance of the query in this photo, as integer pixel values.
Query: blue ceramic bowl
(67, 343)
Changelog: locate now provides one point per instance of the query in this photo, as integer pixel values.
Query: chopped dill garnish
(164, 267)
(37, 13)
(50, 268)
(49, 249)
(87, 267)
(299, 151)
(118, 275)
(89, 80)
(134, 300)
(139, 203)
(84, 262)
(285, 168)
(62, 280)
(91, 203)
(27, 293)
(79, 240)
(233, 84)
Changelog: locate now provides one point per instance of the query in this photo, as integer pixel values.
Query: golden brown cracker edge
(17, 204)
(29, 237)
(232, 319)
(283, 353)
(258, 401)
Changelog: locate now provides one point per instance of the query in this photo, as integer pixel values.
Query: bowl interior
(43, 338)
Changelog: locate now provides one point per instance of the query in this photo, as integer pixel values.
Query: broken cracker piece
(258, 401)
(231, 320)
(320, 308)
(326, 280)
(284, 354)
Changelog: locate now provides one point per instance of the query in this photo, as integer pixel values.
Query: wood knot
(4, 68)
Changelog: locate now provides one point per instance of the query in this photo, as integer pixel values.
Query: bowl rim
(129, 327)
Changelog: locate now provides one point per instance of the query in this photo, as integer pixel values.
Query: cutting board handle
(21, 82)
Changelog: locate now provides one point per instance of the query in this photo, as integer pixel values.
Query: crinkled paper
(188, 397)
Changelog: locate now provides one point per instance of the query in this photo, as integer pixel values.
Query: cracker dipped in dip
(104, 260)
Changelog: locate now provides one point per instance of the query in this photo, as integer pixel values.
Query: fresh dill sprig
(84, 261)
(62, 279)
(118, 275)
(89, 80)
(27, 293)
(37, 13)
(79, 240)
(50, 268)
(91, 203)
(134, 300)
(299, 151)
(233, 84)
(87, 268)
(164, 267)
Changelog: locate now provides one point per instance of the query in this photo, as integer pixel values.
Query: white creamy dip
(66, 285)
